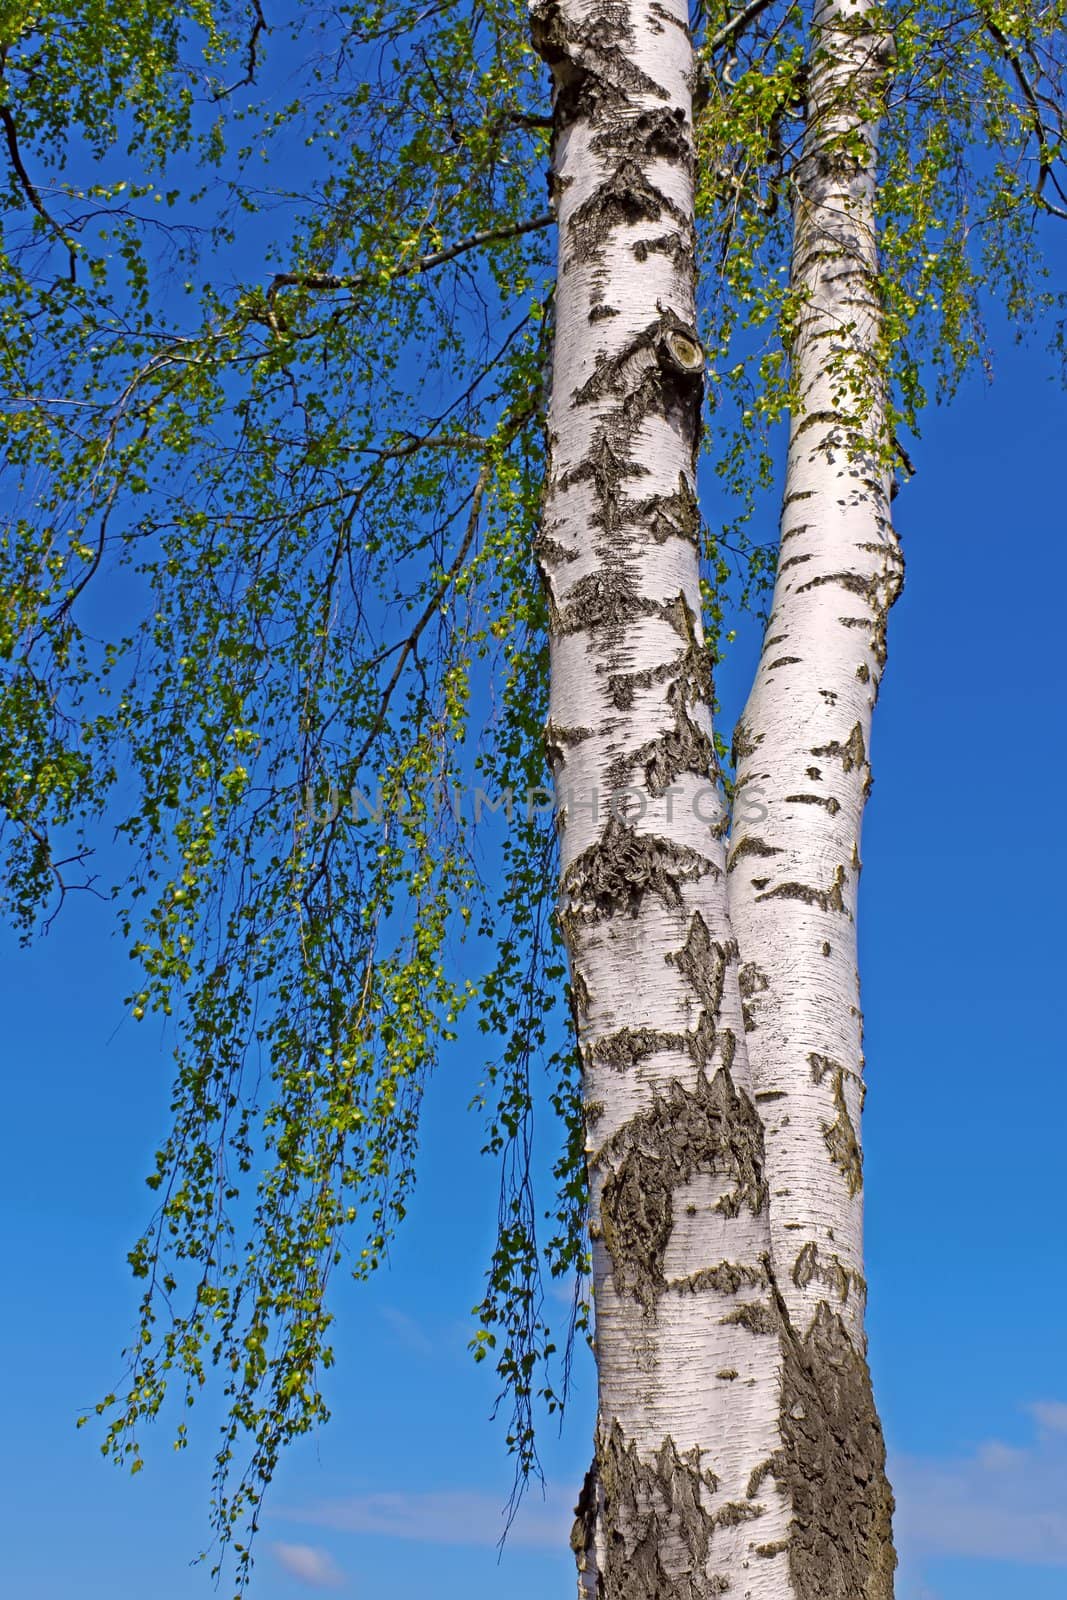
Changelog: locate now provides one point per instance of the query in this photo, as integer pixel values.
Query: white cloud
(1050, 1414)
(997, 1502)
(453, 1516)
(1000, 1502)
(309, 1564)
(999, 1457)
(410, 1333)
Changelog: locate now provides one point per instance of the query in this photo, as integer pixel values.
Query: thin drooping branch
(1047, 146)
(29, 188)
(259, 27)
(329, 282)
(736, 25)
(410, 642)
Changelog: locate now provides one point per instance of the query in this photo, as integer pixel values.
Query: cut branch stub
(679, 350)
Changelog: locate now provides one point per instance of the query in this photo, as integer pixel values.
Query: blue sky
(964, 877)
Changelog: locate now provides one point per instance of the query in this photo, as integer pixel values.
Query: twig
(259, 25)
(736, 24)
(437, 258)
(29, 189)
(1045, 172)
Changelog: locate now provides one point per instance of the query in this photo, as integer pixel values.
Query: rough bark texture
(803, 744)
(676, 1506)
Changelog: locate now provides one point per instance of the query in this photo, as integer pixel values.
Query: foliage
(971, 162)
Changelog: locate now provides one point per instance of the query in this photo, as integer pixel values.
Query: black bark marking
(614, 874)
(854, 582)
(660, 370)
(559, 740)
(830, 899)
(755, 1315)
(750, 845)
(670, 18)
(851, 755)
(659, 134)
(674, 245)
(626, 1047)
(710, 1129)
(811, 1266)
(605, 466)
(813, 419)
(774, 1549)
(550, 551)
(660, 1533)
(623, 685)
(841, 1140)
(583, 1533)
(626, 197)
(751, 982)
(726, 1278)
(833, 806)
(734, 1512)
(610, 374)
(832, 1466)
(686, 747)
(591, 67)
(821, 1065)
(606, 601)
(795, 561)
(744, 744)
(671, 516)
(704, 962)
(771, 1468)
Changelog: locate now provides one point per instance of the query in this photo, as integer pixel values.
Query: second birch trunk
(803, 771)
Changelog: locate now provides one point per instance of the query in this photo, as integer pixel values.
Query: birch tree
(776, 217)
(737, 1446)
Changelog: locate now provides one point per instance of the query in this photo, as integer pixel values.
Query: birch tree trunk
(803, 772)
(683, 1499)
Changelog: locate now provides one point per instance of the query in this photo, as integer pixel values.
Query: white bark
(803, 771)
(684, 1499)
